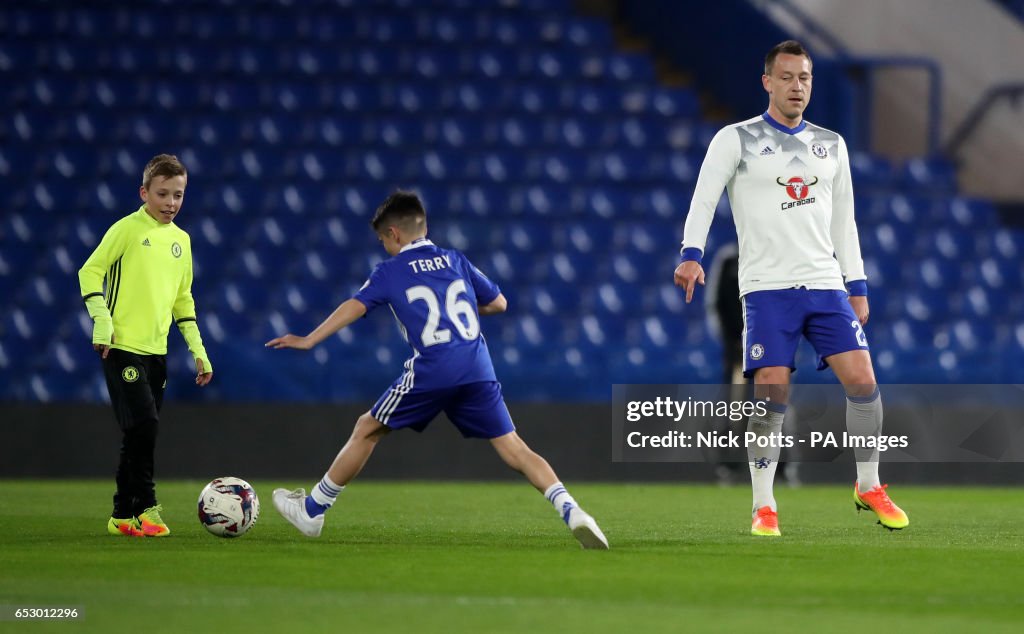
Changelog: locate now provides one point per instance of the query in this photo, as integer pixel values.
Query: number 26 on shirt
(457, 309)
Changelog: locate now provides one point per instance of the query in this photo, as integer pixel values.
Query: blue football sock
(312, 508)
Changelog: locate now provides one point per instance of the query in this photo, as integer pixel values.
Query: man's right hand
(688, 275)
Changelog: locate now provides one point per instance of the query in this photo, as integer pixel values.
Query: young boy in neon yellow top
(134, 284)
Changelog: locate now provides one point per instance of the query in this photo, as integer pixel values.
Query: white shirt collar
(415, 244)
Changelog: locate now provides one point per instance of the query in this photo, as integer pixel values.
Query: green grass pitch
(494, 557)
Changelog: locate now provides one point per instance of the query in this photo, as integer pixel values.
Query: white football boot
(585, 529)
(292, 505)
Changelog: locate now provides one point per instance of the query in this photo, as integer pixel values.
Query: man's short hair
(790, 47)
(402, 209)
(164, 165)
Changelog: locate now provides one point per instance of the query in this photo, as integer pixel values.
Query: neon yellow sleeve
(184, 313)
(90, 281)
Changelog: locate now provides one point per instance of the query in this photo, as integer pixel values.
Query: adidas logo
(146, 243)
(767, 151)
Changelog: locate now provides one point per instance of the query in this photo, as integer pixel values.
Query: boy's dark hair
(790, 47)
(402, 209)
(165, 165)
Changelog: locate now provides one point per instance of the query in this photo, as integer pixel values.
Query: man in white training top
(800, 269)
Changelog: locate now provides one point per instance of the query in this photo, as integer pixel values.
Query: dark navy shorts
(476, 409)
(774, 321)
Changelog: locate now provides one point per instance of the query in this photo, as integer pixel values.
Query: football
(228, 507)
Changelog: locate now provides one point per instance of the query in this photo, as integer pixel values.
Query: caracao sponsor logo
(799, 189)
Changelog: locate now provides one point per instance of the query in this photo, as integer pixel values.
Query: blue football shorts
(476, 409)
(774, 321)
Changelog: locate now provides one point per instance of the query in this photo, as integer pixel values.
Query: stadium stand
(556, 161)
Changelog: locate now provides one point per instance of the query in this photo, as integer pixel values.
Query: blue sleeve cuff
(858, 288)
(691, 254)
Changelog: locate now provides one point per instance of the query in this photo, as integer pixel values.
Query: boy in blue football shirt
(436, 295)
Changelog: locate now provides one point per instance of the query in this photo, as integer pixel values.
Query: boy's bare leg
(307, 512)
(353, 456)
(520, 457)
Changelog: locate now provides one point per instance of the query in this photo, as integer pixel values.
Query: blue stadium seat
(649, 238)
(500, 167)
(472, 97)
(415, 98)
(1000, 274)
(335, 131)
(660, 333)
(506, 29)
(26, 228)
(615, 299)
(90, 127)
(910, 335)
(357, 200)
(353, 96)
(381, 165)
(952, 244)
(525, 236)
(588, 33)
(669, 203)
(494, 63)
(462, 234)
(106, 198)
(573, 267)
(305, 97)
(972, 214)
(461, 132)
(559, 167)
(121, 57)
(892, 238)
(548, 201)
(1005, 243)
(870, 171)
(79, 161)
(397, 132)
(18, 162)
(592, 238)
(539, 99)
(443, 165)
(972, 335)
(929, 175)
(635, 267)
(31, 126)
(608, 202)
(24, 327)
(245, 128)
(925, 305)
(628, 166)
(882, 271)
(298, 199)
(152, 129)
(481, 200)
(317, 166)
(554, 300)
(446, 27)
(629, 67)
(520, 132)
(937, 273)
(682, 168)
(585, 132)
(506, 267)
